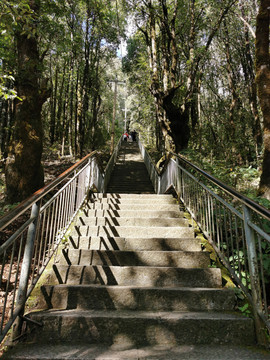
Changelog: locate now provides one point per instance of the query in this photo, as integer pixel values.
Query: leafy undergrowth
(244, 179)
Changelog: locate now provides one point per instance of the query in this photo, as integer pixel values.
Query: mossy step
(131, 221)
(129, 196)
(132, 206)
(135, 276)
(66, 351)
(138, 244)
(137, 200)
(88, 297)
(138, 231)
(146, 214)
(183, 259)
(142, 328)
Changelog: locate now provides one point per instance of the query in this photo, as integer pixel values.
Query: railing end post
(26, 267)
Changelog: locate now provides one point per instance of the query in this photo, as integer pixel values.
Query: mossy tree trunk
(263, 84)
(24, 172)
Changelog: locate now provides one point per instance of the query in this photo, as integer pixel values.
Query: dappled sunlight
(134, 278)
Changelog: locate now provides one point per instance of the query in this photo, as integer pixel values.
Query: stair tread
(126, 231)
(141, 288)
(132, 221)
(130, 206)
(128, 195)
(128, 267)
(130, 252)
(120, 352)
(139, 275)
(134, 238)
(126, 314)
(141, 244)
(130, 213)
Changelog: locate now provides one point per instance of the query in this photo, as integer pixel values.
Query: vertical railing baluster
(262, 276)
(26, 265)
(254, 276)
(17, 272)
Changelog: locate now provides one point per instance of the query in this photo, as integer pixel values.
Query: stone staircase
(130, 174)
(134, 283)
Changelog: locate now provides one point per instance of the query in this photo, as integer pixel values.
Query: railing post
(26, 267)
(178, 179)
(87, 176)
(254, 276)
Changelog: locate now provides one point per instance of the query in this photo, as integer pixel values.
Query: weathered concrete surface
(135, 275)
(132, 221)
(132, 231)
(133, 213)
(131, 206)
(133, 197)
(142, 328)
(103, 352)
(138, 298)
(181, 259)
(136, 244)
(142, 199)
(130, 174)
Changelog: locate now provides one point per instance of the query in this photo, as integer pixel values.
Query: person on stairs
(126, 136)
(133, 135)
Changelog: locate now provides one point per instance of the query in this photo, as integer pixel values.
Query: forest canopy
(193, 77)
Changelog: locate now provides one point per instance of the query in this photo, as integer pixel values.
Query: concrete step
(183, 259)
(133, 213)
(129, 167)
(145, 206)
(129, 180)
(129, 173)
(142, 328)
(87, 297)
(131, 231)
(129, 196)
(138, 200)
(137, 244)
(99, 351)
(135, 276)
(132, 221)
(133, 189)
(125, 168)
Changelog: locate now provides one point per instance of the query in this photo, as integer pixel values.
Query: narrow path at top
(130, 174)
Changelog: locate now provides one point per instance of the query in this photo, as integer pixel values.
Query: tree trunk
(4, 122)
(233, 110)
(65, 123)
(60, 104)
(179, 123)
(263, 83)
(76, 115)
(53, 107)
(24, 174)
(249, 74)
(85, 90)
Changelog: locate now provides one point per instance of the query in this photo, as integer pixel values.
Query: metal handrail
(29, 248)
(27, 203)
(252, 204)
(237, 230)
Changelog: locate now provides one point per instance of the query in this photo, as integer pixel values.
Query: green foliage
(245, 309)
(244, 179)
(6, 208)
(7, 92)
